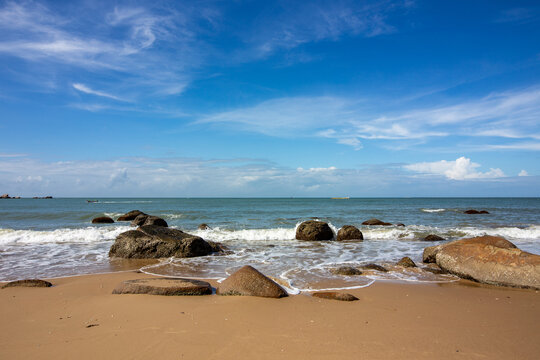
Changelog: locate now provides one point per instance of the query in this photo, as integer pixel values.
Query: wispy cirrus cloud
(507, 115)
(85, 89)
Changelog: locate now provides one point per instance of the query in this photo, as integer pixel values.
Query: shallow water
(54, 237)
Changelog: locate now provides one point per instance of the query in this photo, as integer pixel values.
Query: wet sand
(79, 318)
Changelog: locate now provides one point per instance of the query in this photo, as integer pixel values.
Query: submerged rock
(130, 215)
(150, 241)
(164, 286)
(433, 237)
(203, 227)
(406, 262)
(346, 270)
(330, 295)
(472, 211)
(376, 222)
(314, 230)
(247, 281)
(431, 251)
(102, 220)
(349, 232)
(374, 267)
(491, 264)
(27, 283)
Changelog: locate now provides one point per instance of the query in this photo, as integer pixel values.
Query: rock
(5, 196)
(130, 215)
(16, 197)
(472, 211)
(154, 220)
(164, 286)
(335, 296)
(400, 224)
(406, 262)
(139, 220)
(102, 220)
(431, 251)
(28, 283)
(349, 232)
(247, 281)
(490, 264)
(374, 267)
(150, 241)
(432, 237)
(204, 227)
(346, 270)
(314, 230)
(434, 269)
(375, 222)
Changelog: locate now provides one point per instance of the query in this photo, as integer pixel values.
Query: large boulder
(130, 215)
(144, 219)
(247, 281)
(150, 241)
(27, 283)
(430, 252)
(102, 220)
(433, 237)
(349, 232)
(314, 230)
(376, 222)
(164, 286)
(490, 264)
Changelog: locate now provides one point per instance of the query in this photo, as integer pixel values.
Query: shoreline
(79, 317)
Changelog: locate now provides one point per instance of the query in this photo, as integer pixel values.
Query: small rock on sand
(28, 283)
(164, 286)
(335, 296)
(346, 270)
(406, 262)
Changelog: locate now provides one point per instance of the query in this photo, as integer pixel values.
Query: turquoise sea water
(54, 237)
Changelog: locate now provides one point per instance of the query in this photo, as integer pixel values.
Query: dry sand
(390, 321)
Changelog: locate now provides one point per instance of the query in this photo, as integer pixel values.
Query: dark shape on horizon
(472, 211)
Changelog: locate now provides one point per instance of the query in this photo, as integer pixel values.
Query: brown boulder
(432, 237)
(247, 281)
(346, 270)
(335, 296)
(491, 264)
(203, 227)
(314, 230)
(472, 211)
(349, 232)
(28, 283)
(375, 222)
(102, 220)
(130, 215)
(406, 262)
(497, 241)
(151, 241)
(164, 286)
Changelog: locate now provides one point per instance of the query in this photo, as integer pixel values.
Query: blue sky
(259, 98)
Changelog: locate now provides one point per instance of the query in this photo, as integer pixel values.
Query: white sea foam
(532, 232)
(433, 210)
(82, 235)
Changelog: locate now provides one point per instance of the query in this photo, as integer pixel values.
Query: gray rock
(164, 286)
(150, 241)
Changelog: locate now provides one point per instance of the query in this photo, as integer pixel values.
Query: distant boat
(92, 201)
(341, 198)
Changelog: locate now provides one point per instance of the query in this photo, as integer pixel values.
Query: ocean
(54, 237)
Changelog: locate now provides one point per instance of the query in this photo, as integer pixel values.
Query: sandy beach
(79, 317)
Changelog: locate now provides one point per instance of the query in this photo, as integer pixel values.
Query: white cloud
(460, 169)
(85, 89)
(523, 173)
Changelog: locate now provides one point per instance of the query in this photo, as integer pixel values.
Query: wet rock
(314, 230)
(431, 251)
(330, 295)
(154, 220)
(433, 237)
(130, 215)
(150, 241)
(490, 264)
(346, 270)
(400, 224)
(374, 267)
(472, 211)
(164, 286)
(406, 262)
(247, 281)
(27, 283)
(102, 220)
(434, 269)
(139, 220)
(204, 227)
(5, 196)
(349, 232)
(376, 222)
